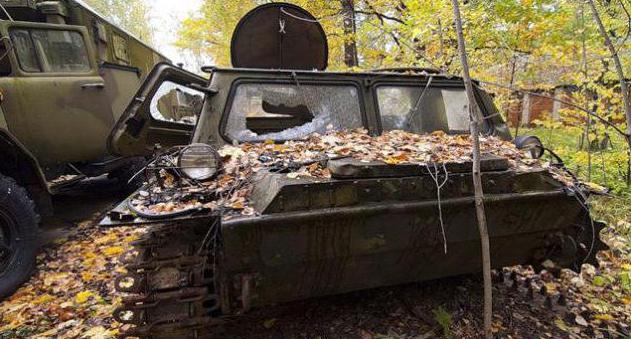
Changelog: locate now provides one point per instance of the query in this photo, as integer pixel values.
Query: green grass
(608, 168)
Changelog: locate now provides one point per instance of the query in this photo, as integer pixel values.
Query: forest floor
(72, 296)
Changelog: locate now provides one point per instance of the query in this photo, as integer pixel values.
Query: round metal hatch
(279, 36)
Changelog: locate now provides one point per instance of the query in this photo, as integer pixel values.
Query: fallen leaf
(83, 296)
(43, 299)
(604, 317)
(112, 251)
(581, 321)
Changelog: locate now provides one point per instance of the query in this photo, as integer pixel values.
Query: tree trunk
(350, 32)
(441, 56)
(477, 176)
(586, 93)
(623, 83)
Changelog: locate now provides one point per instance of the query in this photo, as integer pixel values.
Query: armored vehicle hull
(313, 238)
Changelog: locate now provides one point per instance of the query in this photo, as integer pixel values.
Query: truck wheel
(18, 236)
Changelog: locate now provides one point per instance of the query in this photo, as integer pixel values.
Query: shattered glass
(176, 103)
(291, 112)
(421, 110)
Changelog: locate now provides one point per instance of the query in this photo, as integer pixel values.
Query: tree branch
(381, 16)
(477, 176)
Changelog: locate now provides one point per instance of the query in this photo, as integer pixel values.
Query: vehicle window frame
(486, 127)
(17, 54)
(155, 92)
(39, 57)
(287, 81)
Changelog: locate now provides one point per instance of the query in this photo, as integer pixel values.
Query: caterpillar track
(170, 289)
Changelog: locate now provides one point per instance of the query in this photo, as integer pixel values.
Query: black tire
(19, 232)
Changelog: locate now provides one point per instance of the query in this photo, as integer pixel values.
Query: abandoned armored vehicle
(297, 183)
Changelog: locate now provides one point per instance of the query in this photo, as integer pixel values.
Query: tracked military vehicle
(293, 184)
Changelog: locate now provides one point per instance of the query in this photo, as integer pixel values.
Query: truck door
(55, 102)
(163, 112)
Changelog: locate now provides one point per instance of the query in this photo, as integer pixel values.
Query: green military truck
(66, 75)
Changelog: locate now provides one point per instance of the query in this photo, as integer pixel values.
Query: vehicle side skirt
(295, 256)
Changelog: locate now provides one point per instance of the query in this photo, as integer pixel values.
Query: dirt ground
(72, 296)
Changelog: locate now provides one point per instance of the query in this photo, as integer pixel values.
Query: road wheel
(18, 236)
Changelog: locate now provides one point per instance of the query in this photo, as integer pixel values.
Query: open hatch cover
(279, 36)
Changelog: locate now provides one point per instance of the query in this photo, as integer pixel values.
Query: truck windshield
(289, 112)
(41, 50)
(423, 110)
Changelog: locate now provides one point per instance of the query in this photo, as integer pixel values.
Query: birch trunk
(624, 87)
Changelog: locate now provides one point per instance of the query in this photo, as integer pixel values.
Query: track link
(170, 285)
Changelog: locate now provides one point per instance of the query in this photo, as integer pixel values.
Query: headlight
(531, 145)
(199, 161)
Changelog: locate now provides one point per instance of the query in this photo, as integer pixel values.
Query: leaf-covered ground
(71, 296)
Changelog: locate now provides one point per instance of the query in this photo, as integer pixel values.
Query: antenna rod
(6, 12)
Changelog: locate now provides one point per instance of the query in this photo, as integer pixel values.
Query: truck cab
(66, 75)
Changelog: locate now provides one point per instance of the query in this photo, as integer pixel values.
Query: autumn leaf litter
(71, 295)
(229, 192)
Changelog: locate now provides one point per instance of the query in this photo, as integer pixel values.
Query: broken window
(288, 111)
(176, 103)
(423, 110)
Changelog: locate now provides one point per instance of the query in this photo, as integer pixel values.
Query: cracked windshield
(311, 169)
(284, 112)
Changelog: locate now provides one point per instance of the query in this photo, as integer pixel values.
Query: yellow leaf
(626, 267)
(392, 161)
(116, 250)
(107, 238)
(84, 296)
(43, 299)
(604, 317)
(87, 276)
(626, 301)
(90, 255)
(279, 148)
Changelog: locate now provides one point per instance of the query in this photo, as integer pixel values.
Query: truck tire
(19, 234)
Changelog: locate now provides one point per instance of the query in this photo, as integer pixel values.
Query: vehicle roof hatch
(279, 36)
